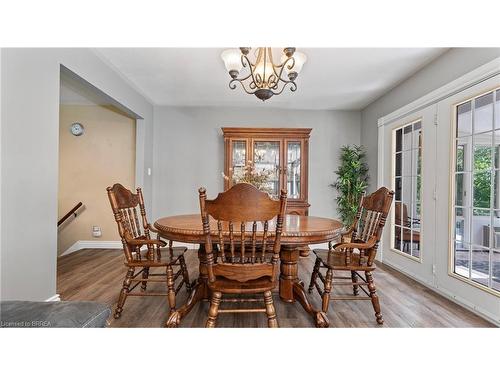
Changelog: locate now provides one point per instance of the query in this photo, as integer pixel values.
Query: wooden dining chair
(143, 253)
(355, 256)
(237, 216)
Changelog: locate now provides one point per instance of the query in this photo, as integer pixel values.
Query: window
(476, 245)
(407, 179)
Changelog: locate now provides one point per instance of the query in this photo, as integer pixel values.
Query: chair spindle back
(125, 205)
(370, 221)
(242, 216)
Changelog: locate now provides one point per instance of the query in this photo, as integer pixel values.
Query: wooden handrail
(71, 212)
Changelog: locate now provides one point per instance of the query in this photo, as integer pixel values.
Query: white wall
(29, 159)
(446, 68)
(189, 151)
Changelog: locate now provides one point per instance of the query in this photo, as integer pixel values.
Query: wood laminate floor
(97, 275)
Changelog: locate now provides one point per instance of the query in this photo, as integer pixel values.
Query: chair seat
(167, 258)
(225, 285)
(336, 260)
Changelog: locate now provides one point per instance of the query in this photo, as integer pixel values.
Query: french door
(443, 162)
(468, 188)
(409, 157)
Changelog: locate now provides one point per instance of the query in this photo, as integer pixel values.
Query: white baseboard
(54, 298)
(79, 245)
(447, 294)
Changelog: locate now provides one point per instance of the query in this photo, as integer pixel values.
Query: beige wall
(103, 155)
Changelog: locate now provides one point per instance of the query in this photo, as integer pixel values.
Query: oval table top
(297, 230)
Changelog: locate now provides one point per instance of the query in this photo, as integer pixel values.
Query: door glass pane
(461, 181)
(407, 200)
(495, 270)
(399, 140)
(416, 203)
(238, 158)
(496, 148)
(459, 224)
(267, 160)
(482, 189)
(407, 137)
(460, 155)
(496, 226)
(495, 175)
(464, 119)
(417, 135)
(462, 256)
(399, 163)
(480, 227)
(480, 264)
(293, 170)
(483, 113)
(397, 238)
(397, 188)
(482, 152)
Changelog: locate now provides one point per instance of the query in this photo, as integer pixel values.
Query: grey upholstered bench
(69, 314)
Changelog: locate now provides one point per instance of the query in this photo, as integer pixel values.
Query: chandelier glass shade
(263, 77)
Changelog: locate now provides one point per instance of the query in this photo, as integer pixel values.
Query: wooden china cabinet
(283, 151)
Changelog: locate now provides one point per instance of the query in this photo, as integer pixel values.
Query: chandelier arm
(232, 85)
(244, 78)
(281, 66)
(293, 87)
(272, 81)
(250, 67)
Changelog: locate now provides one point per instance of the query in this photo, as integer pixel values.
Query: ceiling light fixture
(263, 78)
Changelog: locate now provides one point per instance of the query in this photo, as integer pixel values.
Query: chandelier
(263, 77)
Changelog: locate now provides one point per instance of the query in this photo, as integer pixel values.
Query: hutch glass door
(293, 169)
(266, 156)
(238, 156)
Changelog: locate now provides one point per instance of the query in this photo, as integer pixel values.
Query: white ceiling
(332, 78)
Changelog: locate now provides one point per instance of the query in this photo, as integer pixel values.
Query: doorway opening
(97, 148)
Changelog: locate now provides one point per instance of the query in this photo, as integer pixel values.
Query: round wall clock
(76, 129)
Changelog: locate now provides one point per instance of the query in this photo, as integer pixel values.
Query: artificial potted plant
(351, 183)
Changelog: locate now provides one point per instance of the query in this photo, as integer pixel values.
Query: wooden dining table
(298, 231)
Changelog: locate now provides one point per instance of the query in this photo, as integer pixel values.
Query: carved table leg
(292, 288)
(199, 292)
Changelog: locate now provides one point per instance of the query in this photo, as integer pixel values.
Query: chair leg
(171, 288)
(272, 322)
(314, 275)
(185, 274)
(374, 297)
(213, 311)
(145, 275)
(124, 292)
(355, 287)
(328, 289)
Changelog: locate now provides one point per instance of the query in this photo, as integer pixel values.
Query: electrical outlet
(96, 231)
